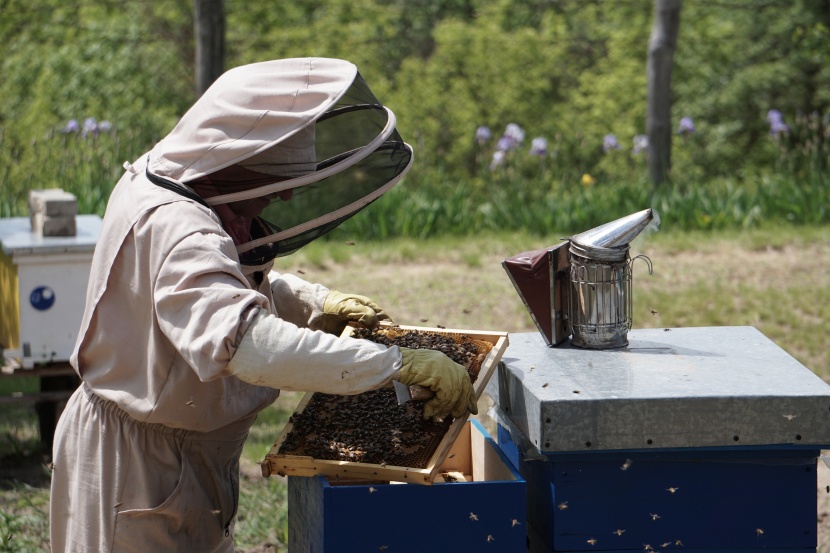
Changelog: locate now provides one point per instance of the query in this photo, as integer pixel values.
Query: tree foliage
(571, 72)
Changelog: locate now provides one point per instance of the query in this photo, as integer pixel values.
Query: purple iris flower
(610, 142)
(640, 144)
(90, 126)
(539, 146)
(72, 126)
(687, 126)
(774, 116)
(498, 159)
(505, 144)
(515, 132)
(483, 134)
(776, 123)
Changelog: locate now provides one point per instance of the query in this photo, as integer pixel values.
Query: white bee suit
(146, 452)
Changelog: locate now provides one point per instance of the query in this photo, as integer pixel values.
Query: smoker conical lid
(616, 233)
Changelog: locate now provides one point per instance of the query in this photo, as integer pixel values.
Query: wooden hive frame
(296, 465)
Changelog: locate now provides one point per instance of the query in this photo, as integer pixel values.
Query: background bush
(568, 72)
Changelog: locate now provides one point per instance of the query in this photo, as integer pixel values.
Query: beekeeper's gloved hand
(454, 393)
(340, 308)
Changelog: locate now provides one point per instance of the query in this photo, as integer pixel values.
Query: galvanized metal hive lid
(17, 238)
(670, 388)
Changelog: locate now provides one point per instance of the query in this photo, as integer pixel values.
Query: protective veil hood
(288, 148)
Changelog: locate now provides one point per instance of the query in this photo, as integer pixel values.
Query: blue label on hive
(42, 298)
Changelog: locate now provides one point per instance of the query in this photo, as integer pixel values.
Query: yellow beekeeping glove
(454, 393)
(340, 308)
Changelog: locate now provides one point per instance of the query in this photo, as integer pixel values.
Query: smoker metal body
(600, 306)
(581, 287)
(704, 436)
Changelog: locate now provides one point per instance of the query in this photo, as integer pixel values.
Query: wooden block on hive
(52, 212)
(369, 436)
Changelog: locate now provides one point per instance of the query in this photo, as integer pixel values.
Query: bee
(545, 385)
(372, 490)
(515, 522)
(473, 516)
(759, 532)
(647, 547)
(655, 312)
(789, 417)
(592, 541)
(678, 543)
(672, 490)
(619, 532)
(626, 465)
(383, 548)
(654, 516)
(562, 506)
(490, 538)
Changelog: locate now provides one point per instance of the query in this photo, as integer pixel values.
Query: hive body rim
(302, 465)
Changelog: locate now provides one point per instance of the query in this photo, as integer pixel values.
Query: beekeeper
(187, 332)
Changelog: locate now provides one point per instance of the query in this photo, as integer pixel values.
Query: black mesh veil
(350, 156)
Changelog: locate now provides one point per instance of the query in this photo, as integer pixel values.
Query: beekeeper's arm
(276, 353)
(318, 308)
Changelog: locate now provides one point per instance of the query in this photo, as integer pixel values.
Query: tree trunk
(209, 23)
(661, 49)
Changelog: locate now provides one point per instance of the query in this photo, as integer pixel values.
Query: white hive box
(43, 282)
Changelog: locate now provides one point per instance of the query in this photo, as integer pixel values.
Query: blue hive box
(485, 513)
(691, 439)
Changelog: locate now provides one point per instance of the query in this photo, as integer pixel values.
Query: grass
(775, 279)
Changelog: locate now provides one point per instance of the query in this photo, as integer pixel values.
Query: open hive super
(369, 435)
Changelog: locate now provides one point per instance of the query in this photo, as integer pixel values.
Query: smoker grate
(372, 427)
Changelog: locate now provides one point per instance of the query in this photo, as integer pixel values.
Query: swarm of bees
(371, 427)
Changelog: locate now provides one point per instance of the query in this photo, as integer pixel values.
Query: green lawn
(775, 280)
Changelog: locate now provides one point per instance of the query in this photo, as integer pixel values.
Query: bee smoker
(581, 288)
